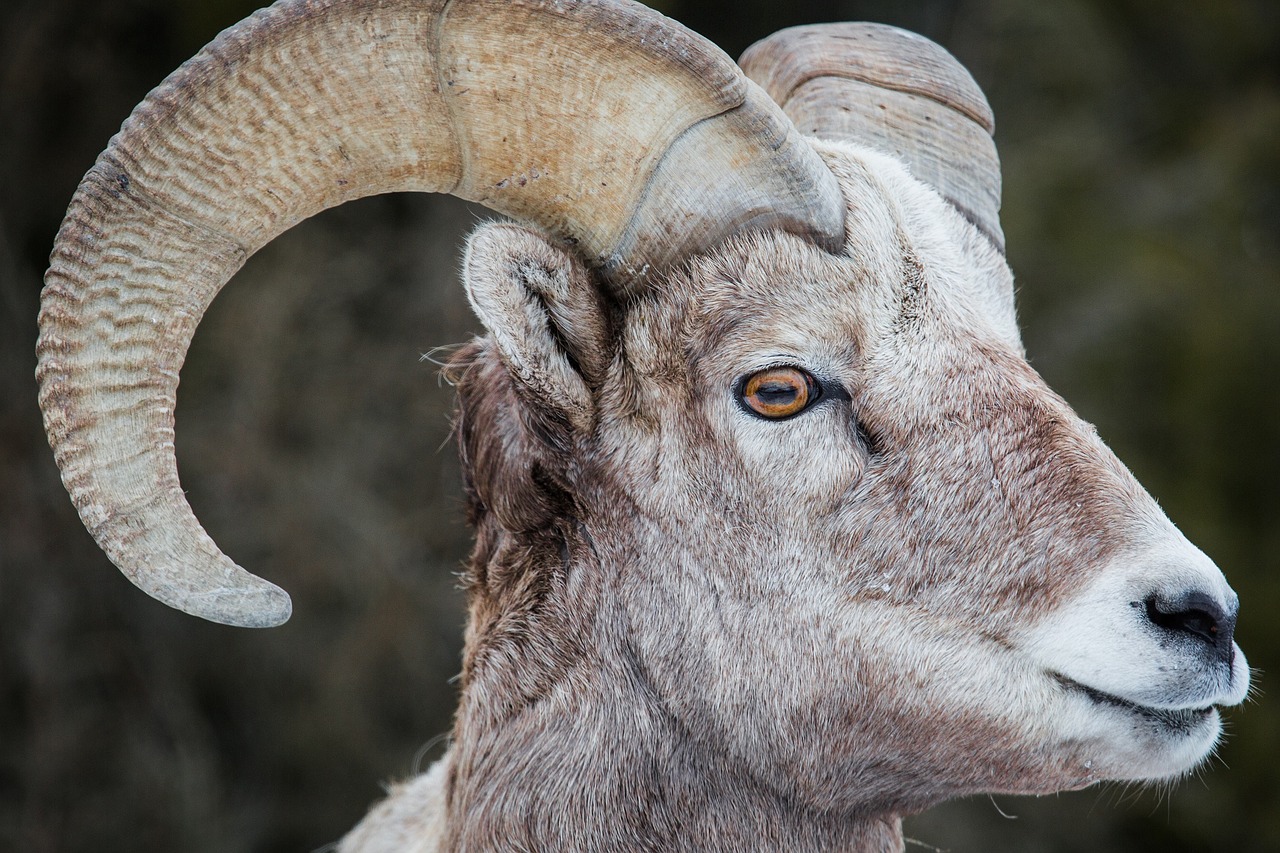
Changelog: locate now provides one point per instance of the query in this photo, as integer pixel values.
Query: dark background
(1141, 149)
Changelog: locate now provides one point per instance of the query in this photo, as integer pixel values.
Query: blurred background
(1141, 150)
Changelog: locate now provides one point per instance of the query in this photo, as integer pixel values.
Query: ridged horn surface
(603, 123)
(892, 90)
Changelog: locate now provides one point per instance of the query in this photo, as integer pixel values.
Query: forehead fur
(906, 251)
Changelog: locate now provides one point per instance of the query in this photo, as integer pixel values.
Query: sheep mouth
(1174, 720)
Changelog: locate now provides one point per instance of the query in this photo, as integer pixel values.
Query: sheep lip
(1176, 719)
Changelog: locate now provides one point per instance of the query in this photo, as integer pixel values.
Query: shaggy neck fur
(562, 740)
(563, 743)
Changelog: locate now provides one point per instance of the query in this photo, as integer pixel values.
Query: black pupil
(777, 393)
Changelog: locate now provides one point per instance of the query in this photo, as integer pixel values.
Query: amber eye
(779, 392)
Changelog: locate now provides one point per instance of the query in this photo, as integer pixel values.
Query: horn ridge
(895, 91)
(879, 54)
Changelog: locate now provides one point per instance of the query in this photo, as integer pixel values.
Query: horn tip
(254, 603)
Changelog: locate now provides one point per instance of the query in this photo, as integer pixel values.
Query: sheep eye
(779, 392)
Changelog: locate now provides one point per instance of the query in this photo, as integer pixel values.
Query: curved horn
(602, 123)
(894, 90)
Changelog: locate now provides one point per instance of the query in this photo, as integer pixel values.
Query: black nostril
(1198, 615)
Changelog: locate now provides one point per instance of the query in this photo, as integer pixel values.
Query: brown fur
(695, 630)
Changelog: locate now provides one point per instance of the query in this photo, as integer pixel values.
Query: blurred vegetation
(1141, 143)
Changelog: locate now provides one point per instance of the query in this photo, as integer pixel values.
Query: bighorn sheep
(779, 537)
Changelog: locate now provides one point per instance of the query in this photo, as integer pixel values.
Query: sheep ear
(545, 314)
